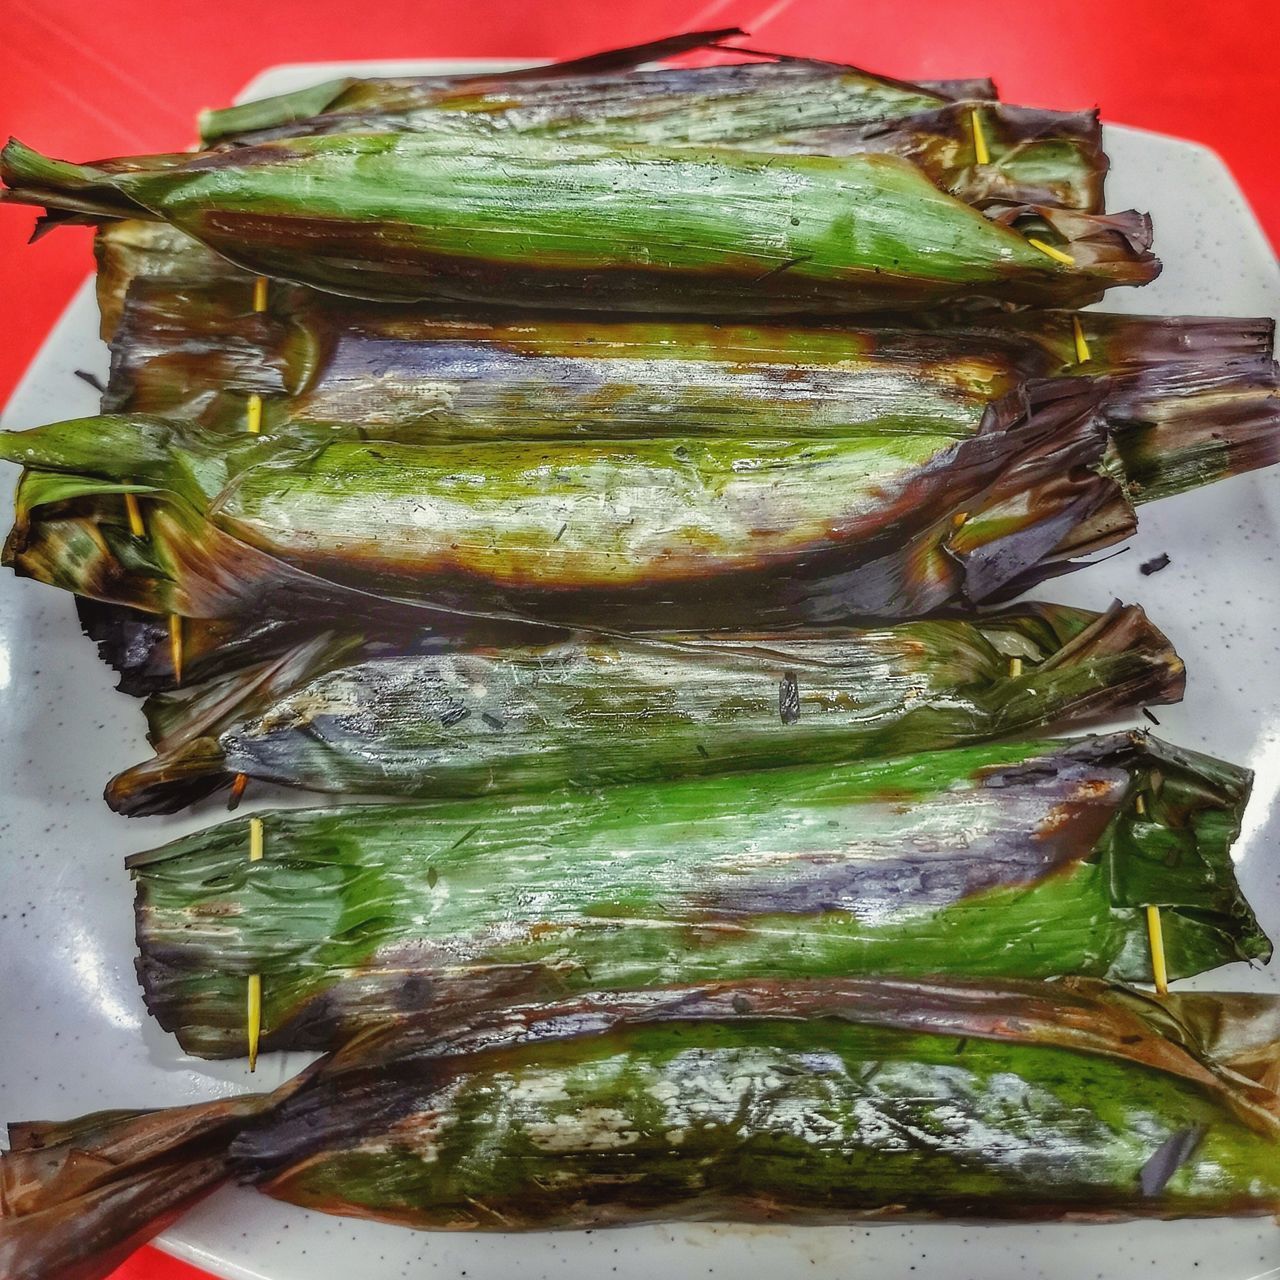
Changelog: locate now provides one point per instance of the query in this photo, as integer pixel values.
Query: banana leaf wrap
(1027, 859)
(537, 223)
(807, 1102)
(342, 713)
(1034, 156)
(197, 351)
(892, 521)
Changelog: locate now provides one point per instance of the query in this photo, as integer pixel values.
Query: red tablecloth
(88, 80)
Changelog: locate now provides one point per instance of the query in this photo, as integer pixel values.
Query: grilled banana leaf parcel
(198, 351)
(1012, 860)
(1029, 156)
(891, 521)
(804, 1102)
(340, 713)
(769, 103)
(541, 223)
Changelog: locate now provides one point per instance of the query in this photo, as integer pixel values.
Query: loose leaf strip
(714, 102)
(741, 232)
(804, 1101)
(292, 109)
(1024, 859)
(422, 719)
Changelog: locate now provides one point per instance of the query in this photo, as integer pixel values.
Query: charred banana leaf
(894, 521)
(540, 223)
(341, 714)
(1011, 860)
(197, 351)
(809, 1102)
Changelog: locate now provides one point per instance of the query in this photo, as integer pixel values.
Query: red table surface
(84, 81)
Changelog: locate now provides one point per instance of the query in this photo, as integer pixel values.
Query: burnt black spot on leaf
(789, 698)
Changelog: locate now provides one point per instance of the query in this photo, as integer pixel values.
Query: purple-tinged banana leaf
(1027, 859)
(800, 1102)
(538, 223)
(340, 713)
(726, 102)
(198, 351)
(893, 522)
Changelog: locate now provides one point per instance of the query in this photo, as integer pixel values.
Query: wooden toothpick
(175, 645)
(253, 994)
(1051, 251)
(134, 512)
(1083, 354)
(253, 1004)
(980, 152)
(253, 411)
(1155, 932)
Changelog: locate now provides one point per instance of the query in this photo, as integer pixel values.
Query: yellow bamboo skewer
(980, 152)
(1155, 930)
(253, 410)
(1051, 251)
(1083, 354)
(253, 992)
(253, 1003)
(137, 527)
(134, 512)
(175, 645)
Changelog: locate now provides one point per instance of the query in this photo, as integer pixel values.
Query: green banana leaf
(1029, 859)
(342, 712)
(1032, 156)
(544, 222)
(804, 1102)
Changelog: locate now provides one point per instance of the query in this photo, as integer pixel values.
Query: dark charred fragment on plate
(1154, 565)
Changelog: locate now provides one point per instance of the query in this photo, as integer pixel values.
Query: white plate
(76, 1037)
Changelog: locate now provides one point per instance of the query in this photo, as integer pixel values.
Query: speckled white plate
(76, 1037)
